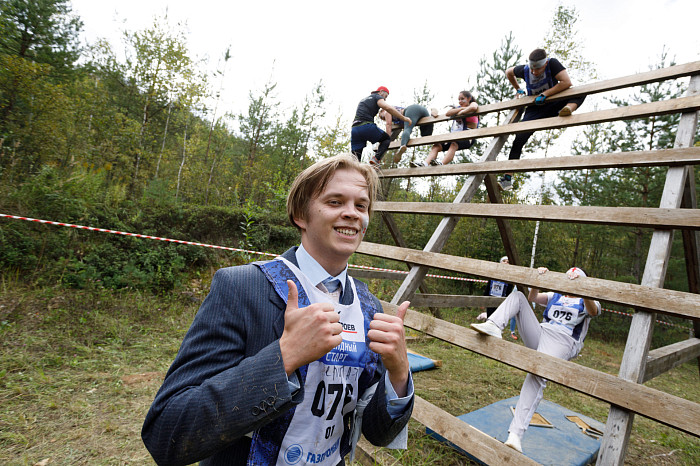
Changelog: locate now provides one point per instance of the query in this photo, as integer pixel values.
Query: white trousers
(535, 336)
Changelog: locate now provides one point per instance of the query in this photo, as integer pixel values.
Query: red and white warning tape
(191, 243)
(135, 235)
(214, 246)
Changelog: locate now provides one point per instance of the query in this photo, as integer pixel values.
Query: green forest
(138, 145)
(137, 142)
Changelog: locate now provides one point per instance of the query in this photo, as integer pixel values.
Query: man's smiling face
(332, 229)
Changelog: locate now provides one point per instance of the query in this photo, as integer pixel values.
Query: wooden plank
(504, 229)
(454, 300)
(667, 409)
(663, 107)
(468, 438)
(369, 455)
(398, 238)
(666, 157)
(691, 245)
(669, 302)
(363, 274)
(619, 423)
(446, 226)
(664, 359)
(637, 79)
(645, 217)
(691, 239)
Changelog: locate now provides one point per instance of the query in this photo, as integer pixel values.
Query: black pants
(537, 112)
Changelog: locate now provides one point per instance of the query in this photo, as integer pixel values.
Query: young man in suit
(288, 360)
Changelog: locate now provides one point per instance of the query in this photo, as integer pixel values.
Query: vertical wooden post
(398, 239)
(691, 245)
(619, 423)
(447, 224)
(504, 227)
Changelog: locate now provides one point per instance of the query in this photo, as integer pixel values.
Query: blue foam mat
(562, 444)
(419, 363)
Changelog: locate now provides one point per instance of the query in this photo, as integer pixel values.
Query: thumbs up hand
(387, 338)
(309, 332)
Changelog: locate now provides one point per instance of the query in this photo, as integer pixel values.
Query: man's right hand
(309, 332)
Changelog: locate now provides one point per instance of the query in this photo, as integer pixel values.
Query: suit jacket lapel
(276, 300)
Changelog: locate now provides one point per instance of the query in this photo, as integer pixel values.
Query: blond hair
(310, 183)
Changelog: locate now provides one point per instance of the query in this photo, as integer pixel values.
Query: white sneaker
(481, 317)
(514, 442)
(488, 328)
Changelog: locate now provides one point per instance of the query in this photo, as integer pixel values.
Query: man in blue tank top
(544, 77)
(288, 361)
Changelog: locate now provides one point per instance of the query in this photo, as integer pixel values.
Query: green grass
(79, 369)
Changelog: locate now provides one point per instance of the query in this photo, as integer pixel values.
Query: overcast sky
(356, 46)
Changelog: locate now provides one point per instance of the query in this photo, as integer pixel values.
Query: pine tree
(642, 186)
(491, 83)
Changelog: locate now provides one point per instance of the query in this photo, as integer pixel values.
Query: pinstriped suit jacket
(228, 378)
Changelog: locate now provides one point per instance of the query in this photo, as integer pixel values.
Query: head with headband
(537, 61)
(310, 183)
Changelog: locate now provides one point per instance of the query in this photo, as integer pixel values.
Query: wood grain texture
(618, 426)
(668, 409)
(453, 300)
(444, 229)
(637, 79)
(662, 107)
(644, 217)
(666, 358)
(665, 301)
(666, 157)
(469, 438)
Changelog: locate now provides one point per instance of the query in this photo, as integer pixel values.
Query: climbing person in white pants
(564, 326)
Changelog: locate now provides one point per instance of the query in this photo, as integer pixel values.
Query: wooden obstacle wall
(677, 211)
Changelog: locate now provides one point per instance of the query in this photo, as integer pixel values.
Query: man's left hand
(540, 99)
(387, 338)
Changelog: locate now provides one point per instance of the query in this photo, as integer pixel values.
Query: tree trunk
(165, 134)
(182, 163)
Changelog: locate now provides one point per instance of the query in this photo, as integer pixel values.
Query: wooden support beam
(667, 409)
(468, 438)
(619, 423)
(691, 239)
(504, 228)
(637, 79)
(369, 455)
(666, 157)
(375, 274)
(669, 302)
(454, 300)
(398, 238)
(664, 359)
(691, 245)
(662, 107)
(644, 217)
(444, 230)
